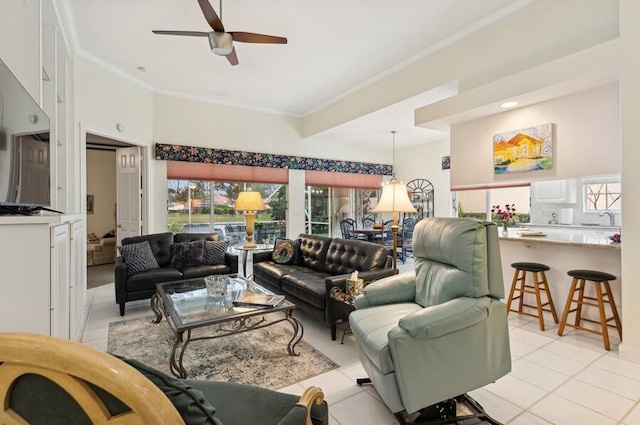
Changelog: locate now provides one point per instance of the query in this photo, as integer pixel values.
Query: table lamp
(249, 202)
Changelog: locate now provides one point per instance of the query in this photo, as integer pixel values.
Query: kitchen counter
(584, 226)
(563, 250)
(599, 239)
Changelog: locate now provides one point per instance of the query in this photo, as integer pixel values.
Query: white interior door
(129, 192)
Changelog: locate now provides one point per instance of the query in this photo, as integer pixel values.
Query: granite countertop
(584, 240)
(591, 227)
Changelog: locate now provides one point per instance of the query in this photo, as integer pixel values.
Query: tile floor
(567, 380)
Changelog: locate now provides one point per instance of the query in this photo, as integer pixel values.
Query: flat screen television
(25, 169)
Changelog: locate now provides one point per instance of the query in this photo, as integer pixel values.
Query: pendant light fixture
(394, 199)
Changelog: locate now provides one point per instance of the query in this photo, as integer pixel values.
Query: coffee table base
(234, 326)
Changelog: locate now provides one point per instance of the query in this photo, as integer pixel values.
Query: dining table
(372, 235)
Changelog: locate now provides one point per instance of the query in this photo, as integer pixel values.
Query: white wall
(191, 122)
(103, 99)
(195, 123)
(630, 128)
(295, 203)
(586, 138)
(101, 183)
(21, 21)
(425, 162)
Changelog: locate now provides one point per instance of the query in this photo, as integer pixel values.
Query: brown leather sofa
(142, 285)
(322, 263)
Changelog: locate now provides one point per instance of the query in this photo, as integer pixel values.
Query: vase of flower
(504, 215)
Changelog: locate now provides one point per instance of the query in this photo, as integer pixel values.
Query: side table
(250, 250)
(342, 304)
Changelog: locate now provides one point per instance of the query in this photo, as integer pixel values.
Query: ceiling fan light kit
(221, 43)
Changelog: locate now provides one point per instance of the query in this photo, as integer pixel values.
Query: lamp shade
(249, 201)
(394, 198)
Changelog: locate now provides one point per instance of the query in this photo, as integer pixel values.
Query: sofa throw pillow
(93, 238)
(187, 254)
(214, 252)
(138, 257)
(188, 401)
(285, 251)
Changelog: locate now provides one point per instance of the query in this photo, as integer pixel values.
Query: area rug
(258, 357)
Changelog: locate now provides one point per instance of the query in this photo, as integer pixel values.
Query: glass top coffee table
(187, 306)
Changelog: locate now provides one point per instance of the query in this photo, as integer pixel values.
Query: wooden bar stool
(577, 285)
(539, 286)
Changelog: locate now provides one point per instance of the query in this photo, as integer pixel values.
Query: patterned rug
(257, 357)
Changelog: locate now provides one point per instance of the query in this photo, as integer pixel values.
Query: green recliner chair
(436, 333)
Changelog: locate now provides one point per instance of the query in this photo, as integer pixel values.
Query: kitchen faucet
(612, 218)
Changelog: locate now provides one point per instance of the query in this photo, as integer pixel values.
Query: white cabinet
(26, 274)
(77, 279)
(55, 68)
(554, 191)
(42, 282)
(59, 284)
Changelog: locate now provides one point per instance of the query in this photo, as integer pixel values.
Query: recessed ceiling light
(142, 69)
(509, 104)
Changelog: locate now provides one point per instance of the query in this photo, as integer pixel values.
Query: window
(602, 194)
(317, 209)
(478, 203)
(198, 206)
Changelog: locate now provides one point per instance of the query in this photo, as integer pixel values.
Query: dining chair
(408, 224)
(368, 222)
(346, 227)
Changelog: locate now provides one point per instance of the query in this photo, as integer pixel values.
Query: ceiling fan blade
(187, 33)
(232, 57)
(211, 16)
(249, 37)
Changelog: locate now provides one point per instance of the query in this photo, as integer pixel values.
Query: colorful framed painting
(522, 150)
(446, 162)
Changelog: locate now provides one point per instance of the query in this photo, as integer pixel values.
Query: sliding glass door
(318, 211)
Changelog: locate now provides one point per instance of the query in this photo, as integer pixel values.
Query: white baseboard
(629, 353)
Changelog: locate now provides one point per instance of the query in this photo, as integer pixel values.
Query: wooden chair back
(72, 366)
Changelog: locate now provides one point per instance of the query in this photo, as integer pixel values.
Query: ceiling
(334, 47)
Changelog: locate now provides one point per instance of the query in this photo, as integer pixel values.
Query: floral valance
(221, 156)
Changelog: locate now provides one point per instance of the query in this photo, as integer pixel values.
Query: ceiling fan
(221, 42)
